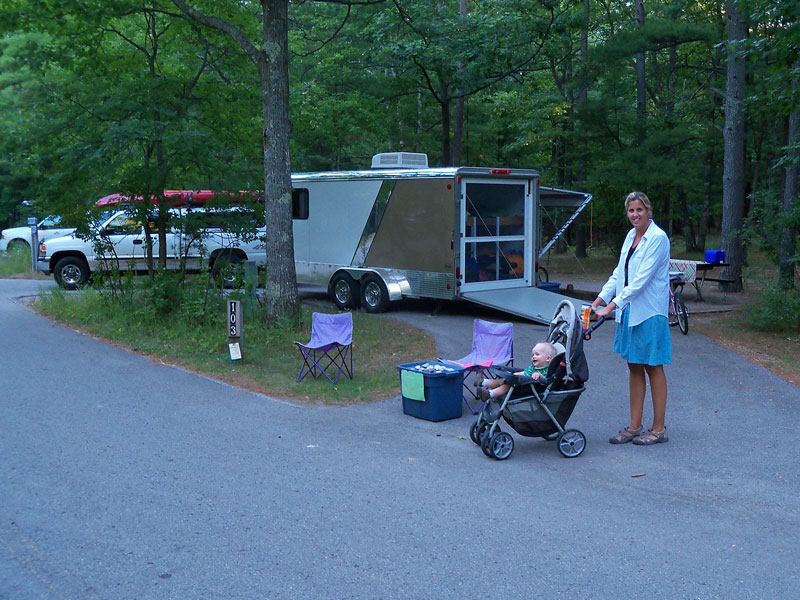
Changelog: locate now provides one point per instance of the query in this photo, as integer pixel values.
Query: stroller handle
(587, 335)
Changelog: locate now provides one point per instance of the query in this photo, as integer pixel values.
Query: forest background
(696, 103)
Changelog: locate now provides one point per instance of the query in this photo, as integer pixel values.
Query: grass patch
(270, 360)
(17, 264)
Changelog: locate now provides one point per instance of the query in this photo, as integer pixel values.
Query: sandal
(625, 435)
(651, 437)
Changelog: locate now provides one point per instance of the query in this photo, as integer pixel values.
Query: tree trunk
(641, 87)
(582, 96)
(686, 222)
(709, 175)
(280, 291)
(733, 138)
(458, 132)
(444, 104)
(788, 246)
(272, 61)
(458, 126)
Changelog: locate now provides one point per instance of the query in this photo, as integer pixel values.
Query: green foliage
(15, 261)
(777, 310)
(164, 292)
(97, 97)
(767, 221)
(126, 98)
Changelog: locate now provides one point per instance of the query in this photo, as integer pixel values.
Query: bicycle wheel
(672, 315)
(682, 314)
(543, 274)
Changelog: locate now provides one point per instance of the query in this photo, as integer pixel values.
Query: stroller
(540, 408)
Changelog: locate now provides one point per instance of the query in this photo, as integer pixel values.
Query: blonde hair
(641, 197)
(550, 348)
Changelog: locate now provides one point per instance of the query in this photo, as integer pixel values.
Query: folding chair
(492, 344)
(330, 347)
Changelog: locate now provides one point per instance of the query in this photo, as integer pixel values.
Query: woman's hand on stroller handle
(587, 335)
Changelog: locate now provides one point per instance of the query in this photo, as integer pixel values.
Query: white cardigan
(648, 277)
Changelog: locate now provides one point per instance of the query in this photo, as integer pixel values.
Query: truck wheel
(71, 272)
(344, 291)
(227, 269)
(18, 246)
(374, 296)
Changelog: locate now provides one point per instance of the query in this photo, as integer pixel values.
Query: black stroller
(540, 409)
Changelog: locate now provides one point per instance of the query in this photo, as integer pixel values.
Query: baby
(541, 355)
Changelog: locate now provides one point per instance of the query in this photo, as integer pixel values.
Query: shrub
(777, 310)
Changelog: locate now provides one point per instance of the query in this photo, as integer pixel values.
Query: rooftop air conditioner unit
(400, 160)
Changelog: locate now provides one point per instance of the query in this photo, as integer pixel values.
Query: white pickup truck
(72, 259)
(19, 238)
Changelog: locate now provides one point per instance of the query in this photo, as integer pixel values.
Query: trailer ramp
(528, 302)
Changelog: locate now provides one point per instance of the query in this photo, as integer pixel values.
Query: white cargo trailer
(456, 233)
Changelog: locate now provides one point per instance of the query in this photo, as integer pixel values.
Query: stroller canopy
(566, 329)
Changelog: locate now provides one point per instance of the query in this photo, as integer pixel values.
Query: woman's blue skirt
(647, 343)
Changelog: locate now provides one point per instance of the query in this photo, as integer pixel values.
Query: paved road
(122, 478)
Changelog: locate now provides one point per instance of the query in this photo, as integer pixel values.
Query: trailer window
(300, 203)
(495, 210)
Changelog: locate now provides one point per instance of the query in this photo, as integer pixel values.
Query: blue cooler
(715, 256)
(550, 286)
(431, 395)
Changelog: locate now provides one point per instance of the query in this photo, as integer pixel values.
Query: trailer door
(496, 248)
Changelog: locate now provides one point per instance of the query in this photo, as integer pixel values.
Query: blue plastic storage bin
(715, 256)
(442, 393)
(550, 286)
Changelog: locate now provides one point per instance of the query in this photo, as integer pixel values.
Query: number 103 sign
(234, 324)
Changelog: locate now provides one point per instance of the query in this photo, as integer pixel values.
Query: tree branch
(237, 34)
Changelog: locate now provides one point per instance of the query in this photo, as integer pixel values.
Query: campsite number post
(234, 323)
(34, 242)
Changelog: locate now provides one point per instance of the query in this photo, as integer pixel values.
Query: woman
(639, 289)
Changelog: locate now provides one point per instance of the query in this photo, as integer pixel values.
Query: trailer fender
(396, 285)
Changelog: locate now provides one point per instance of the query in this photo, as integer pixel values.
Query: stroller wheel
(501, 445)
(473, 433)
(571, 443)
(481, 432)
(486, 440)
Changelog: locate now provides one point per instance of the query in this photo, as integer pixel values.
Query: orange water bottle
(586, 312)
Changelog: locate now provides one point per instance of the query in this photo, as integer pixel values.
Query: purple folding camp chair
(492, 344)
(330, 347)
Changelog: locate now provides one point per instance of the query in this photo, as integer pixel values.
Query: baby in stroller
(541, 356)
(539, 407)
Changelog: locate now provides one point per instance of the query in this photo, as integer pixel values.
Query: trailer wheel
(374, 296)
(344, 291)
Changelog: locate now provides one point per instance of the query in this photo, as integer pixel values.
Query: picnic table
(696, 272)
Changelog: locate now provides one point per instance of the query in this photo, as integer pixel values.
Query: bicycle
(678, 314)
